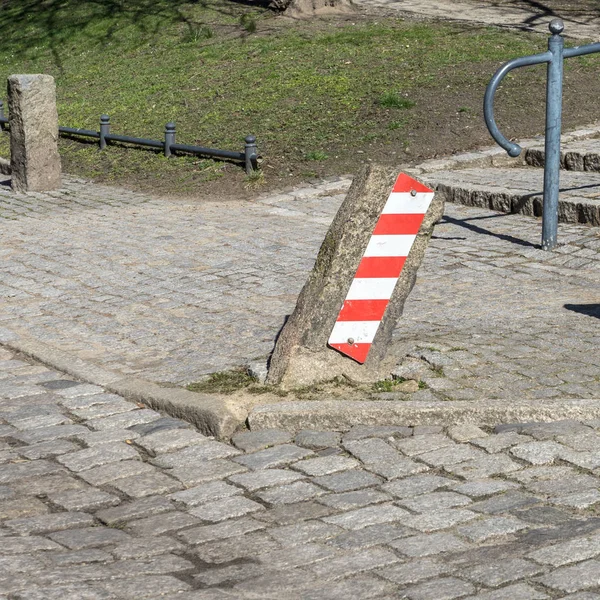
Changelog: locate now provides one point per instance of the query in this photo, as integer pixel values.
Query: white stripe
(362, 332)
(389, 245)
(372, 288)
(402, 203)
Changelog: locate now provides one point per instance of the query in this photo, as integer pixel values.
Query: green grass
(222, 70)
(224, 382)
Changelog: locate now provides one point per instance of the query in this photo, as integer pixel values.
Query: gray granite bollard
(302, 355)
(33, 120)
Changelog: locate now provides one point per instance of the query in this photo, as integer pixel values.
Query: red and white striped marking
(380, 268)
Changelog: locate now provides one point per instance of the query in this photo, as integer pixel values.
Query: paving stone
(251, 441)
(206, 492)
(26, 545)
(22, 507)
(146, 484)
(304, 532)
(581, 442)
(162, 424)
(578, 500)
(415, 570)
(371, 515)
(363, 586)
(135, 588)
(465, 432)
(518, 591)
(505, 502)
(325, 465)
(361, 432)
(110, 436)
(154, 565)
(83, 500)
(124, 420)
(538, 453)
(135, 509)
(501, 572)
(292, 513)
(536, 474)
(47, 449)
(441, 519)
(382, 459)
(82, 389)
(445, 588)
(486, 466)
(158, 524)
(81, 557)
(206, 451)
(500, 441)
(276, 456)
(169, 441)
(230, 574)
(583, 576)
(435, 501)
(452, 455)
(115, 471)
(483, 488)
(48, 523)
(421, 444)
(97, 456)
(274, 584)
(90, 537)
(429, 545)
(45, 434)
(417, 485)
(317, 440)
(249, 545)
(542, 515)
(548, 431)
(106, 409)
(298, 491)
(146, 546)
(226, 508)
(223, 530)
(347, 481)
(355, 499)
(484, 529)
(373, 535)
(567, 552)
(208, 470)
(350, 564)
(35, 486)
(564, 486)
(87, 401)
(256, 480)
(35, 468)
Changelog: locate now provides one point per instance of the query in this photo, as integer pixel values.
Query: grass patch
(223, 70)
(393, 100)
(224, 382)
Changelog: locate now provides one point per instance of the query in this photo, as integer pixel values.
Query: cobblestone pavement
(101, 499)
(531, 16)
(170, 290)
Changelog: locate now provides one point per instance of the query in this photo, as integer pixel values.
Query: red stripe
(380, 266)
(356, 351)
(398, 224)
(362, 310)
(404, 183)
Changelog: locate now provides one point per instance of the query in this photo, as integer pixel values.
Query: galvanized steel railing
(554, 57)
(249, 156)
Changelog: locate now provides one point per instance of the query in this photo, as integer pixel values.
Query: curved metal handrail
(488, 100)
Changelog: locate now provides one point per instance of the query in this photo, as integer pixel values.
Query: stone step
(519, 190)
(581, 155)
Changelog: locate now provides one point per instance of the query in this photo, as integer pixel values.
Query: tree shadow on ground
(466, 224)
(590, 310)
(32, 24)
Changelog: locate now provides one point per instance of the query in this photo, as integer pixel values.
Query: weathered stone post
(308, 349)
(33, 120)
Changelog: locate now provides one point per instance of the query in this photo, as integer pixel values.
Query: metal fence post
(169, 137)
(553, 127)
(104, 130)
(2, 115)
(251, 153)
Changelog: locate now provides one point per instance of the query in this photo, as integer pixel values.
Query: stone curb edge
(218, 417)
(342, 415)
(494, 156)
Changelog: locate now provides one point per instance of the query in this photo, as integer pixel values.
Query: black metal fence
(249, 156)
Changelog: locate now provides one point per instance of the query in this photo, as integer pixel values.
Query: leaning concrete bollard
(33, 120)
(333, 330)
